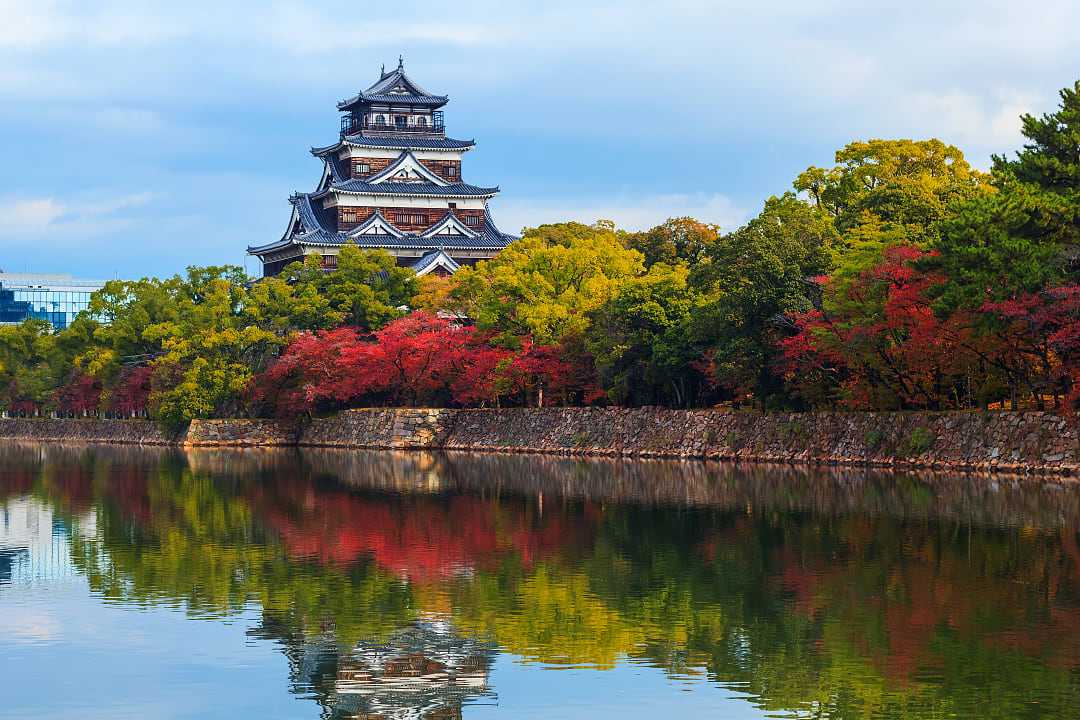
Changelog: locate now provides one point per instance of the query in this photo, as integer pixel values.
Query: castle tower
(392, 181)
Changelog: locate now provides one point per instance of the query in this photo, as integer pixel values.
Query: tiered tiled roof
(394, 143)
(314, 233)
(395, 87)
(405, 177)
(449, 241)
(412, 189)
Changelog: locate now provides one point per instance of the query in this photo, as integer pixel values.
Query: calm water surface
(153, 583)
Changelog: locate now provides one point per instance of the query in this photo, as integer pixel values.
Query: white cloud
(26, 24)
(30, 215)
(628, 213)
(126, 120)
(301, 30)
(32, 24)
(115, 205)
(970, 121)
(50, 216)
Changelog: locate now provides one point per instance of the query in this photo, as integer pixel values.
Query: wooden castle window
(410, 219)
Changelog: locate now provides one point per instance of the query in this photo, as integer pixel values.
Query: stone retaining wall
(1021, 443)
(89, 430)
(242, 433)
(1006, 442)
(381, 428)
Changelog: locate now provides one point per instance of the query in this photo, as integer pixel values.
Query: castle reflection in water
(393, 582)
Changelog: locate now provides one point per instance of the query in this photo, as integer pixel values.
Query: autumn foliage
(901, 277)
(80, 396)
(421, 359)
(131, 396)
(880, 344)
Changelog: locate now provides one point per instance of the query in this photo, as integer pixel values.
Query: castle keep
(392, 181)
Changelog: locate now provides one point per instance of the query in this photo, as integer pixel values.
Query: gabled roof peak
(375, 224)
(396, 82)
(406, 169)
(449, 225)
(434, 259)
(395, 86)
(400, 67)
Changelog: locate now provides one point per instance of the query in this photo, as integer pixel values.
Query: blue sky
(137, 138)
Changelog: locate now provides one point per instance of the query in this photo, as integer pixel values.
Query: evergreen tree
(1023, 237)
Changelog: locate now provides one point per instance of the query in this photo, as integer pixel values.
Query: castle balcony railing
(354, 125)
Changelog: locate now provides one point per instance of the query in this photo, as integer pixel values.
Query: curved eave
(485, 193)
(423, 244)
(393, 143)
(379, 241)
(429, 101)
(269, 247)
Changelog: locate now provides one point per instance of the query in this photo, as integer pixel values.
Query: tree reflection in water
(392, 580)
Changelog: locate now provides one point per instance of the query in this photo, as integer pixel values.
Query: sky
(137, 138)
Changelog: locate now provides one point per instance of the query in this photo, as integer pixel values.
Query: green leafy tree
(210, 353)
(367, 289)
(128, 311)
(639, 339)
(682, 239)
(283, 307)
(898, 183)
(30, 367)
(750, 281)
(882, 193)
(545, 284)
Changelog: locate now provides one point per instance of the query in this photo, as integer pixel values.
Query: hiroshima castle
(392, 181)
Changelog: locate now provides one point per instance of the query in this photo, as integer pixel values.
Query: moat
(152, 582)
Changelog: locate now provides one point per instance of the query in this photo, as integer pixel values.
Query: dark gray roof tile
(396, 143)
(425, 189)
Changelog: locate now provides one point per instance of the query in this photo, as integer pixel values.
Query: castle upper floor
(394, 105)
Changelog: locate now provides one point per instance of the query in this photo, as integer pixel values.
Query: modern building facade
(392, 181)
(55, 298)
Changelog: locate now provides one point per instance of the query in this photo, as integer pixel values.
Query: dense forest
(899, 278)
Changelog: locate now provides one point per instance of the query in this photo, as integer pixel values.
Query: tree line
(898, 278)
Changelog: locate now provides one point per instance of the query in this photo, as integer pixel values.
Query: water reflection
(394, 582)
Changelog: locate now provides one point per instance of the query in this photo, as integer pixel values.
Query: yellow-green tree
(544, 284)
(367, 289)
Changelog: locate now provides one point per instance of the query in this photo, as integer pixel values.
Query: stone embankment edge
(1021, 443)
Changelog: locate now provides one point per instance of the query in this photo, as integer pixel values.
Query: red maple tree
(79, 397)
(881, 344)
(131, 395)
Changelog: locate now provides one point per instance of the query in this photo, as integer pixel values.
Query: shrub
(919, 441)
(873, 439)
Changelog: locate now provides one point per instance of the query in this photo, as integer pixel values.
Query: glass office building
(56, 298)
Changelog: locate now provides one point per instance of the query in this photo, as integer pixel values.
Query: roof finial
(400, 62)
(382, 70)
